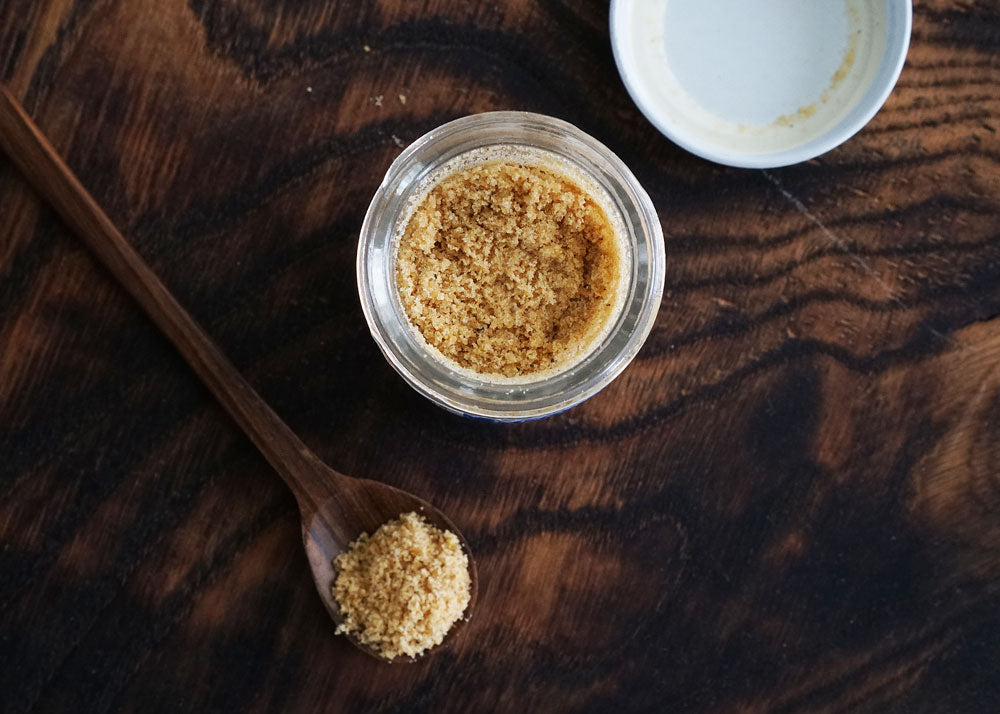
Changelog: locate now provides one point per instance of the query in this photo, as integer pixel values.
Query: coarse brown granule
(401, 589)
(507, 268)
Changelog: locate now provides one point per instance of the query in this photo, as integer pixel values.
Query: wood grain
(789, 503)
(335, 509)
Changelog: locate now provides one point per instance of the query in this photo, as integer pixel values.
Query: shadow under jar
(642, 261)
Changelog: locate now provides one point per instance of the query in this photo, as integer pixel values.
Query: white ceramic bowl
(760, 83)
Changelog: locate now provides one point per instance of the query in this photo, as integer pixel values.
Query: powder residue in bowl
(401, 589)
(508, 269)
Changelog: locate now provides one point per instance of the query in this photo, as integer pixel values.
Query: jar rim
(505, 401)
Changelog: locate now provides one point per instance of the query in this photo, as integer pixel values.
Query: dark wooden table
(789, 503)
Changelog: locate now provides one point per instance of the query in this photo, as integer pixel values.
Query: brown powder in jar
(508, 269)
(401, 589)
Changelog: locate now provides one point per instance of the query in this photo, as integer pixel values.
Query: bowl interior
(760, 83)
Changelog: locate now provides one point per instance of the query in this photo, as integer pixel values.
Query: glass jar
(459, 390)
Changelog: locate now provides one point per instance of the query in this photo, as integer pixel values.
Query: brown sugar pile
(508, 269)
(401, 589)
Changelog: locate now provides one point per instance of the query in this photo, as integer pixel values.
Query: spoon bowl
(356, 506)
(335, 508)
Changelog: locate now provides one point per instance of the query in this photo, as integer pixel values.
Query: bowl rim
(897, 47)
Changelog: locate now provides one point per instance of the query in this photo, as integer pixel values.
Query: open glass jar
(420, 365)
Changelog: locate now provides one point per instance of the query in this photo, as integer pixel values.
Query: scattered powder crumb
(378, 100)
(401, 589)
(309, 90)
(402, 99)
(803, 113)
(398, 142)
(367, 48)
(507, 268)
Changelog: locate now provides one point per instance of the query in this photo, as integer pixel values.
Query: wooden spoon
(335, 508)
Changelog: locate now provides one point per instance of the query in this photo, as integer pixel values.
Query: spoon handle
(42, 167)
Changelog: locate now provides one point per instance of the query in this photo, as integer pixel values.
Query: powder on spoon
(401, 589)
